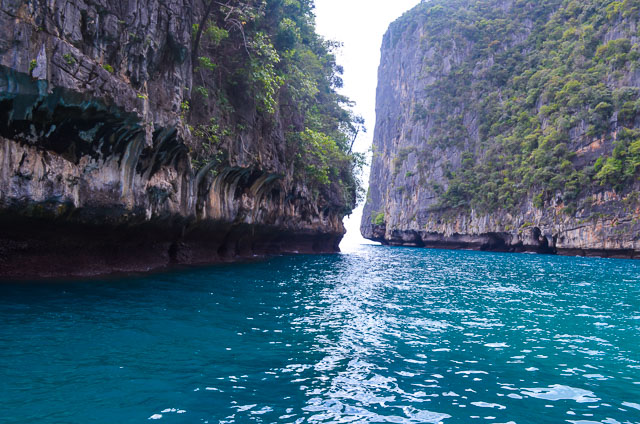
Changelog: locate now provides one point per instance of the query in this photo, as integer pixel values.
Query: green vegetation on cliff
(539, 80)
(262, 61)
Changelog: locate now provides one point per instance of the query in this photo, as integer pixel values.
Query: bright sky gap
(360, 25)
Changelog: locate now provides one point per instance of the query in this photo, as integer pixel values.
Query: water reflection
(387, 327)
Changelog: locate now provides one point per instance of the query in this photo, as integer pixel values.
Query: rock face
(453, 167)
(95, 175)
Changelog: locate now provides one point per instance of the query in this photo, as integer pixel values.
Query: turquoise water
(376, 335)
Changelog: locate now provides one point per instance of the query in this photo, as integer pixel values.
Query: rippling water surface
(376, 335)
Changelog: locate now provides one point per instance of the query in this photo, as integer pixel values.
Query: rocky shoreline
(36, 248)
(99, 170)
(497, 242)
(441, 177)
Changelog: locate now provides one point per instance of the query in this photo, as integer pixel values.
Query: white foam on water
(262, 411)
(585, 422)
(560, 392)
(599, 377)
(488, 405)
(606, 421)
(496, 345)
(591, 352)
(155, 417)
(631, 405)
(428, 417)
(414, 361)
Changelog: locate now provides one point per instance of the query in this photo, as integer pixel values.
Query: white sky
(360, 25)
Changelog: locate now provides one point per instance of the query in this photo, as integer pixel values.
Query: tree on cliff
(264, 58)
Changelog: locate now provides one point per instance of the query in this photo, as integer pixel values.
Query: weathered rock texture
(410, 172)
(94, 174)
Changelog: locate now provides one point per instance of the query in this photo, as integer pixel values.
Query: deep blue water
(376, 335)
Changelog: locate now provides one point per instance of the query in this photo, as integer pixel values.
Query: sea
(372, 335)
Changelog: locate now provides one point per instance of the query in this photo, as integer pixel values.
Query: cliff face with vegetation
(509, 125)
(136, 134)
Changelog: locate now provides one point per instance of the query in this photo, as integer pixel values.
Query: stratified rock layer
(94, 175)
(404, 204)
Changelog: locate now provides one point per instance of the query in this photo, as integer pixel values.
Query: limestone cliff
(511, 126)
(124, 149)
